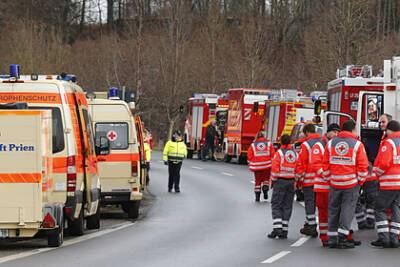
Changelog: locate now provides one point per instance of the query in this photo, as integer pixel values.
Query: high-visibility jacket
(304, 170)
(147, 151)
(317, 158)
(284, 163)
(174, 151)
(259, 154)
(372, 175)
(387, 163)
(345, 161)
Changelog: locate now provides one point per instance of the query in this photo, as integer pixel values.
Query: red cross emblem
(290, 156)
(342, 148)
(112, 136)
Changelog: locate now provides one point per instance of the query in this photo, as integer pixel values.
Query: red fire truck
(245, 119)
(201, 110)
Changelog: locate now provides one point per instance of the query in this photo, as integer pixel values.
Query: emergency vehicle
(28, 205)
(283, 113)
(75, 179)
(221, 116)
(245, 119)
(201, 110)
(119, 169)
(358, 95)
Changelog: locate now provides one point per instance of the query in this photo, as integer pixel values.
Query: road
(213, 222)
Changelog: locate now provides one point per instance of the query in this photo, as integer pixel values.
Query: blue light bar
(14, 71)
(113, 92)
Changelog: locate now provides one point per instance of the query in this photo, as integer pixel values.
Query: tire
(133, 209)
(56, 238)
(190, 154)
(227, 158)
(93, 222)
(77, 226)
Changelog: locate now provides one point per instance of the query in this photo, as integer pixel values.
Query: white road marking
(197, 168)
(300, 242)
(302, 204)
(161, 161)
(66, 243)
(276, 257)
(252, 182)
(227, 174)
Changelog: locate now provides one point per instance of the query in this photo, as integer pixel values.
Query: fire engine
(201, 110)
(283, 111)
(358, 95)
(245, 119)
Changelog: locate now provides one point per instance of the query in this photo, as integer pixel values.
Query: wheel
(125, 207)
(227, 158)
(56, 238)
(190, 154)
(77, 226)
(93, 222)
(133, 209)
(242, 160)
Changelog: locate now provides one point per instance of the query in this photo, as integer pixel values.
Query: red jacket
(284, 163)
(304, 169)
(345, 161)
(372, 175)
(259, 154)
(317, 158)
(387, 163)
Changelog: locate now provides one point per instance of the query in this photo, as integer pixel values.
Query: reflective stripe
(395, 224)
(388, 184)
(284, 174)
(323, 231)
(277, 220)
(310, 174)
(343, 231)
(332, 233)
(395, 231)
(348, 176)
(382, 223)
(343, 183)
(323, 224)
(382, 230)
(389, 177)
(362, 173)
(252, 168)
(378, 170)
(287, 169)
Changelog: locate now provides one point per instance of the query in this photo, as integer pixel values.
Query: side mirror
(317, 107)
(102, 145)
(255, 107)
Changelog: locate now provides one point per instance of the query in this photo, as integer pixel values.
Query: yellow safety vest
(174, 151)
(147, 150)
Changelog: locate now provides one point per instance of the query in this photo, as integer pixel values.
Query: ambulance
(120, 168)
(76, 183)
(28, 206)
(201, 110)
(245, 119)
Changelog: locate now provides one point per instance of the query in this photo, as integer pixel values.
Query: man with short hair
(306, 174)
(321, 186)
(345, 166)
(387, 169)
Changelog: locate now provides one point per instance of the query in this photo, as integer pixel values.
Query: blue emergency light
(113, 93)
(14, 71)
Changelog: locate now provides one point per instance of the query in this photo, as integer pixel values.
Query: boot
(394, 244)
(362, 225)
(283, 235)
(380, 243)
(344, 243)
(265, 189)
(332, 243)
(258, 194)
(275, 233)
(309, 230)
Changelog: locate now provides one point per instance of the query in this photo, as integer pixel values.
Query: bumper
(119, 197)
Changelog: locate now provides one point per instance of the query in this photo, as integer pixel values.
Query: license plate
(3, 233)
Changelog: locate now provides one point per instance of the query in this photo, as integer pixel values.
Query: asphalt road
(213, 222)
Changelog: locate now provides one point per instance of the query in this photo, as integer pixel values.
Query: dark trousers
(206, 151)
(174, 170)
(342, 207)
(388, 231)
(309, 204)
(282, 203)
(147, 173)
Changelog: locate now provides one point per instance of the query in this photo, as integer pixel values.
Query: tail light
(134, 168)
(71, 174)
(48, 221)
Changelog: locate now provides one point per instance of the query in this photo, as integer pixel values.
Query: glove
(165, 162)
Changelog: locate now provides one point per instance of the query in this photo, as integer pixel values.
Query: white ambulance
(27, 204)
(76, 182)
(120, 168)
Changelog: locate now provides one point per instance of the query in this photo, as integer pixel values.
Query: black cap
(393, 126)
(333, 127)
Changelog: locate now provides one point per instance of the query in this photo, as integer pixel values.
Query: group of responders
(16, 148)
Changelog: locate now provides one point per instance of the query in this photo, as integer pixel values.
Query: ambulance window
(116, 133)
(58, 129)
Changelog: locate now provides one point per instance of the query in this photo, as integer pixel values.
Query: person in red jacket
(387, 169)
(306, 174)
(345, 165)
(321, 186)
(283, 179)
(259, 156)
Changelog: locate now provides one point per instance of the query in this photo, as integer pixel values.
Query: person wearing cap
(211, 134)
(174, 152)
(387, 169)
(259, 156)
(321, 186)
